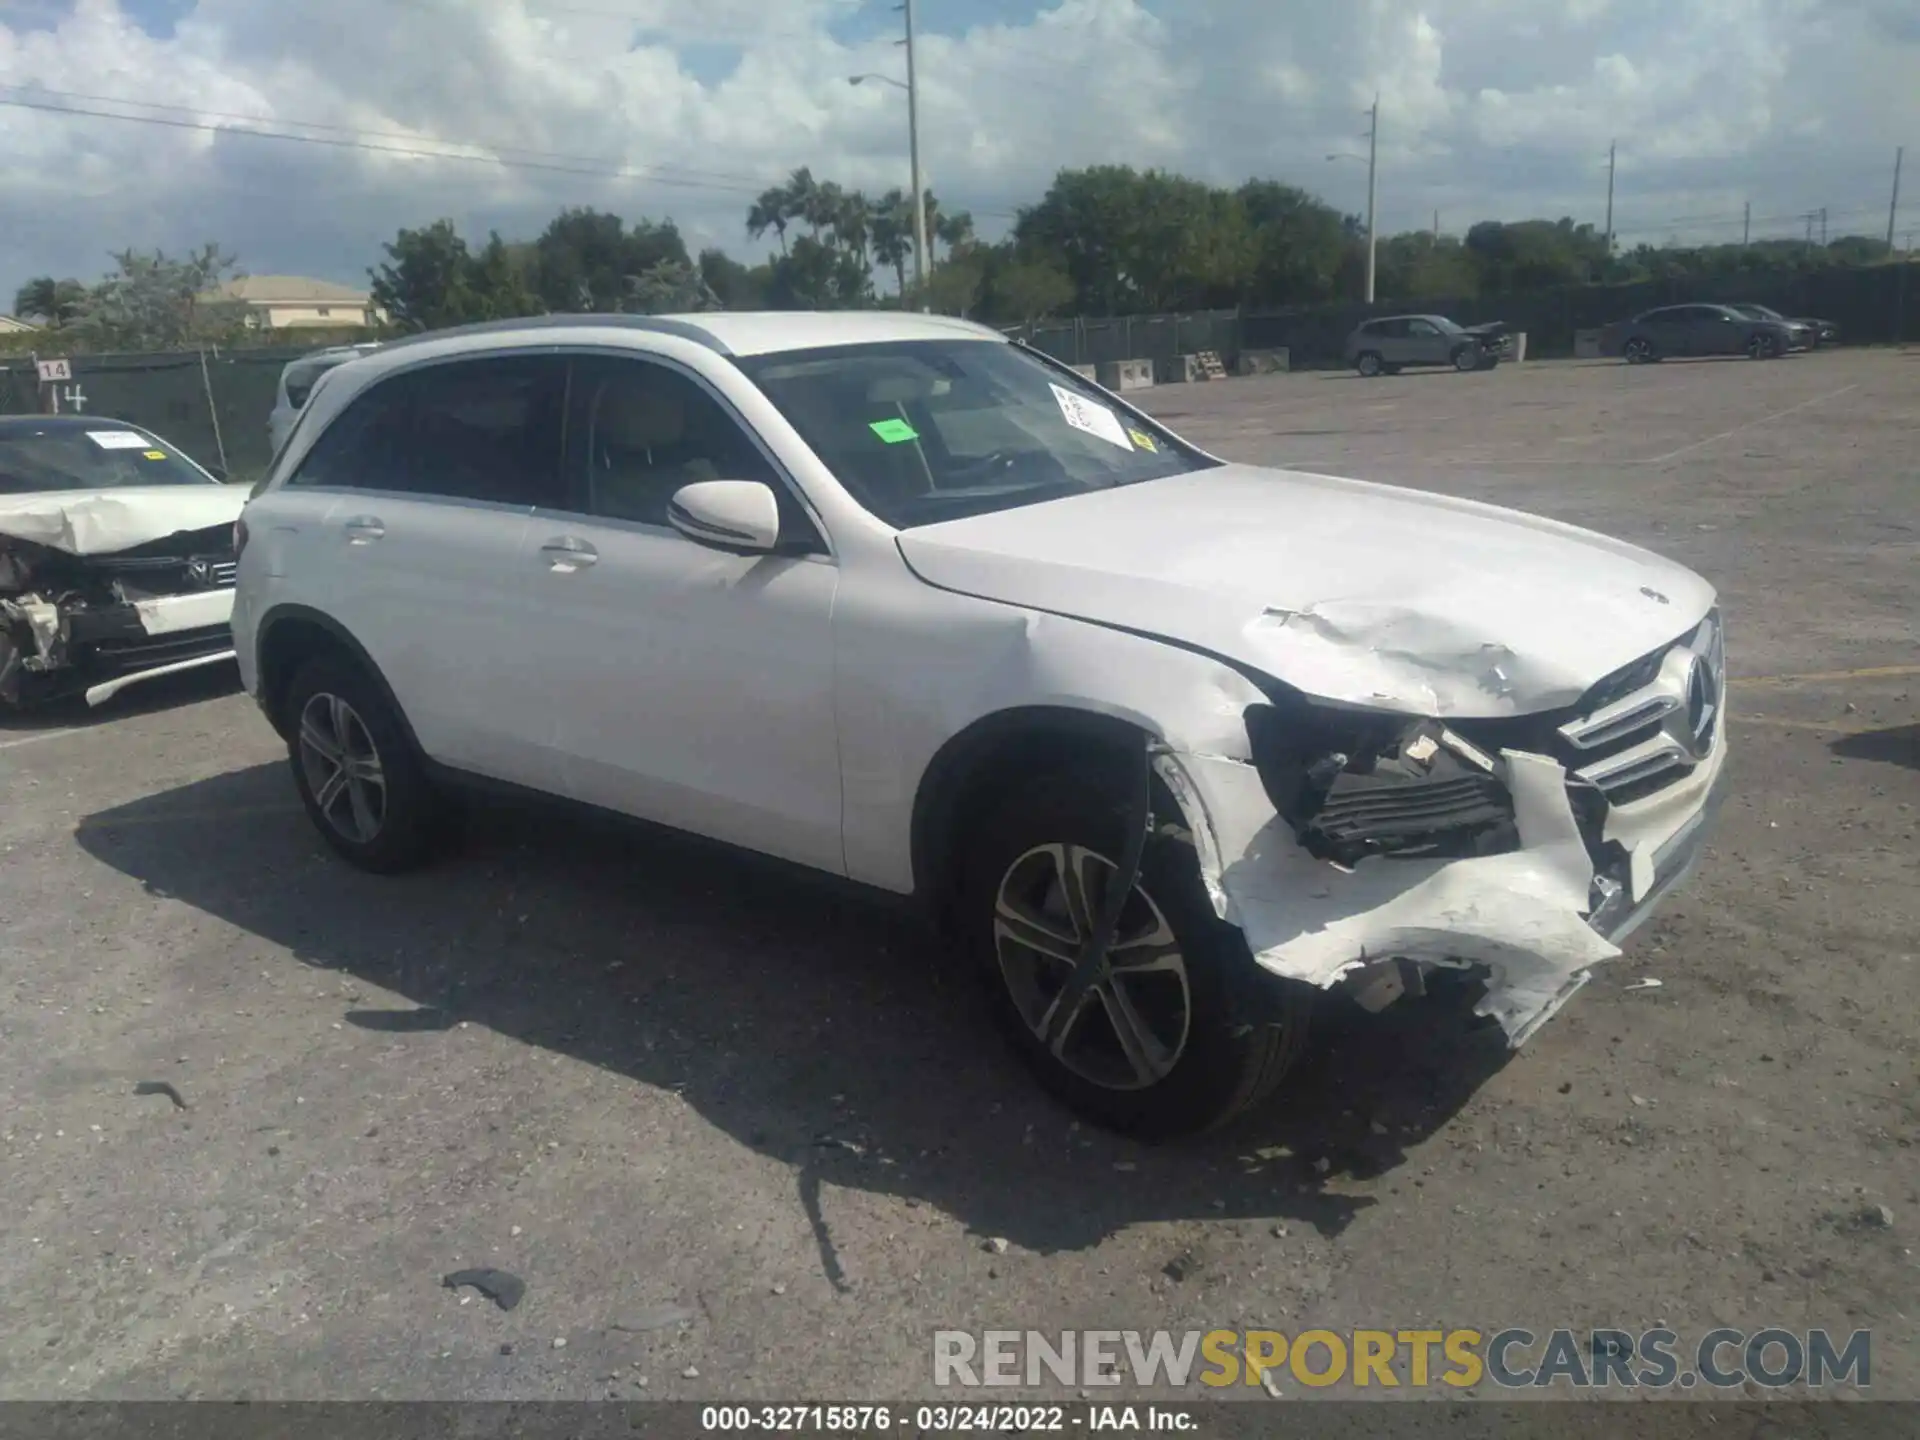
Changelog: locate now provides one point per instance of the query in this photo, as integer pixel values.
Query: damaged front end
(1361, 849)
(92, 624)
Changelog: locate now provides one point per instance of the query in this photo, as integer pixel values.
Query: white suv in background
(1173, 745)
(297, 380)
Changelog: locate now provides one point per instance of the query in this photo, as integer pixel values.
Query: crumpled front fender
(1521, 914)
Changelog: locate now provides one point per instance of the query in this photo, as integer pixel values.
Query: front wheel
(1639, 352)
(1466, 359)
(1762, 347)
(1181, 1031)
(358, 775)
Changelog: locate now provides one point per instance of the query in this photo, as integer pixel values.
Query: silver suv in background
(1384, 346)
(296, 383)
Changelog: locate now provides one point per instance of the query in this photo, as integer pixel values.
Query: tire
(1369, 364)
(1466, 359)
(1219, 1033)
(1638, 351)
(1763, 347)
(385, 816)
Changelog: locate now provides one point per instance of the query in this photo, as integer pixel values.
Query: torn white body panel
(1461, 609)
(100, 522)
(1526, 915)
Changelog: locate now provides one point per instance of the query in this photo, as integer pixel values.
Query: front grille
(1397, 813)
(1647, 725)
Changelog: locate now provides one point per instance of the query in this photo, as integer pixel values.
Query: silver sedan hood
(1350, 591)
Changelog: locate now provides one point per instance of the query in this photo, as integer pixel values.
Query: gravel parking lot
(743, 1135)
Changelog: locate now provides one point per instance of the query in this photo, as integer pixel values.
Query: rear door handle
(568, 553)
(363, 529)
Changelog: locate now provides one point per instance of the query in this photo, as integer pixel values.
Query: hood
(1347, 590)
(1492, 327)
(99, 522)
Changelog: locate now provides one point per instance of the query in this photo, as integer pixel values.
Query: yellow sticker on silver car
(1093, 418)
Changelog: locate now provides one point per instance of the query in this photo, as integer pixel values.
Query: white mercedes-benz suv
(1172, 746)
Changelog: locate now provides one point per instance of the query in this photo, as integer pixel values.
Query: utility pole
(920, 251)
(1612, 156)
(1893, 206)
(1373, 164)
(1436, 227)
(1746, 225)
(1823, 227)
(1810, 219)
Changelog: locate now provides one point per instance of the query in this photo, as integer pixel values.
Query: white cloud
(1489, 108)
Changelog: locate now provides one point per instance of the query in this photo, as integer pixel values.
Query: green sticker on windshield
(894, 432)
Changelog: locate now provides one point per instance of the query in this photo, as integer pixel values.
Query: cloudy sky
(686, 108)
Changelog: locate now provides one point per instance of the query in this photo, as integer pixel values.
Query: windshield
(1446, 326)
(69, 457)
(1758, 312)
(929, 430)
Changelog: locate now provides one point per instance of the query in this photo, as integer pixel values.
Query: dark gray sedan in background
(1674, 330)
(1814, 332)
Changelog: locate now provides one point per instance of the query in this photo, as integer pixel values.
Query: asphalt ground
(742, 1135)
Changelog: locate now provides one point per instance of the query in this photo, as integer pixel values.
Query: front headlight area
(1354, 784)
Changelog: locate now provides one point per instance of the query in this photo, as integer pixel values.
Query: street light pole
(920, 252)
(1893, 207)
(1612, 148)
(1373, 159)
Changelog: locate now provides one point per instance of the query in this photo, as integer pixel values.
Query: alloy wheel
(342, 768)
(1128, 1030)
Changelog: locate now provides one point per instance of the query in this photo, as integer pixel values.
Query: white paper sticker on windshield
(119, 440)
(1095, 419)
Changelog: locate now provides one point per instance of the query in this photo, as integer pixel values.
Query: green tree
(50, 301)
(588, 261)
(1298, 242)
(892, 237)
(735, 286)
(155, 302)
(814, 275)
(1024, 290)
(426, 282)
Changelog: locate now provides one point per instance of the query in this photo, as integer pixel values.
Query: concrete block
(1586, 344)
(1519, 346)
(1120, 375)
(1264, 362)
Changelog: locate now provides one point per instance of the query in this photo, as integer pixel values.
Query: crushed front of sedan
(1362, 846)
(98, 592)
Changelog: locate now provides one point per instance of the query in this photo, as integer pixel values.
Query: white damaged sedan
(116, 559)
(1173, 745)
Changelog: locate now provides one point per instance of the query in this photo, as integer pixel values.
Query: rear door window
(485, 429)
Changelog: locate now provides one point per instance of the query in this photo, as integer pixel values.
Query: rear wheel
(358, 775)
(1181, 1030)
(1367, 362)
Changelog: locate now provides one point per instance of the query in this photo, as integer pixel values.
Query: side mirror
(741, 516)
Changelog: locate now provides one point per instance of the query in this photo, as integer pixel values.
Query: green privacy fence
(211, 404)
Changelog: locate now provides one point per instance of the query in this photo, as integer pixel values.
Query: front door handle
(567, 554)
(363, 529)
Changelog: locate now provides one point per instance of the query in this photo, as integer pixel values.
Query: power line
(407, 139)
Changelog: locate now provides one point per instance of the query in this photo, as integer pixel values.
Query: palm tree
(854, 225)
(955, 231)
(799, 198)
(53, 301)
(891, 232)
(769, 212)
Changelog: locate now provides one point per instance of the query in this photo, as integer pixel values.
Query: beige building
(293, 302)
(11, 326)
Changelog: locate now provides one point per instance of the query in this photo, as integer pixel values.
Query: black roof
(686, 330)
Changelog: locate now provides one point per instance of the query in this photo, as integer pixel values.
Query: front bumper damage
(93, 625)
(1537, 916)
